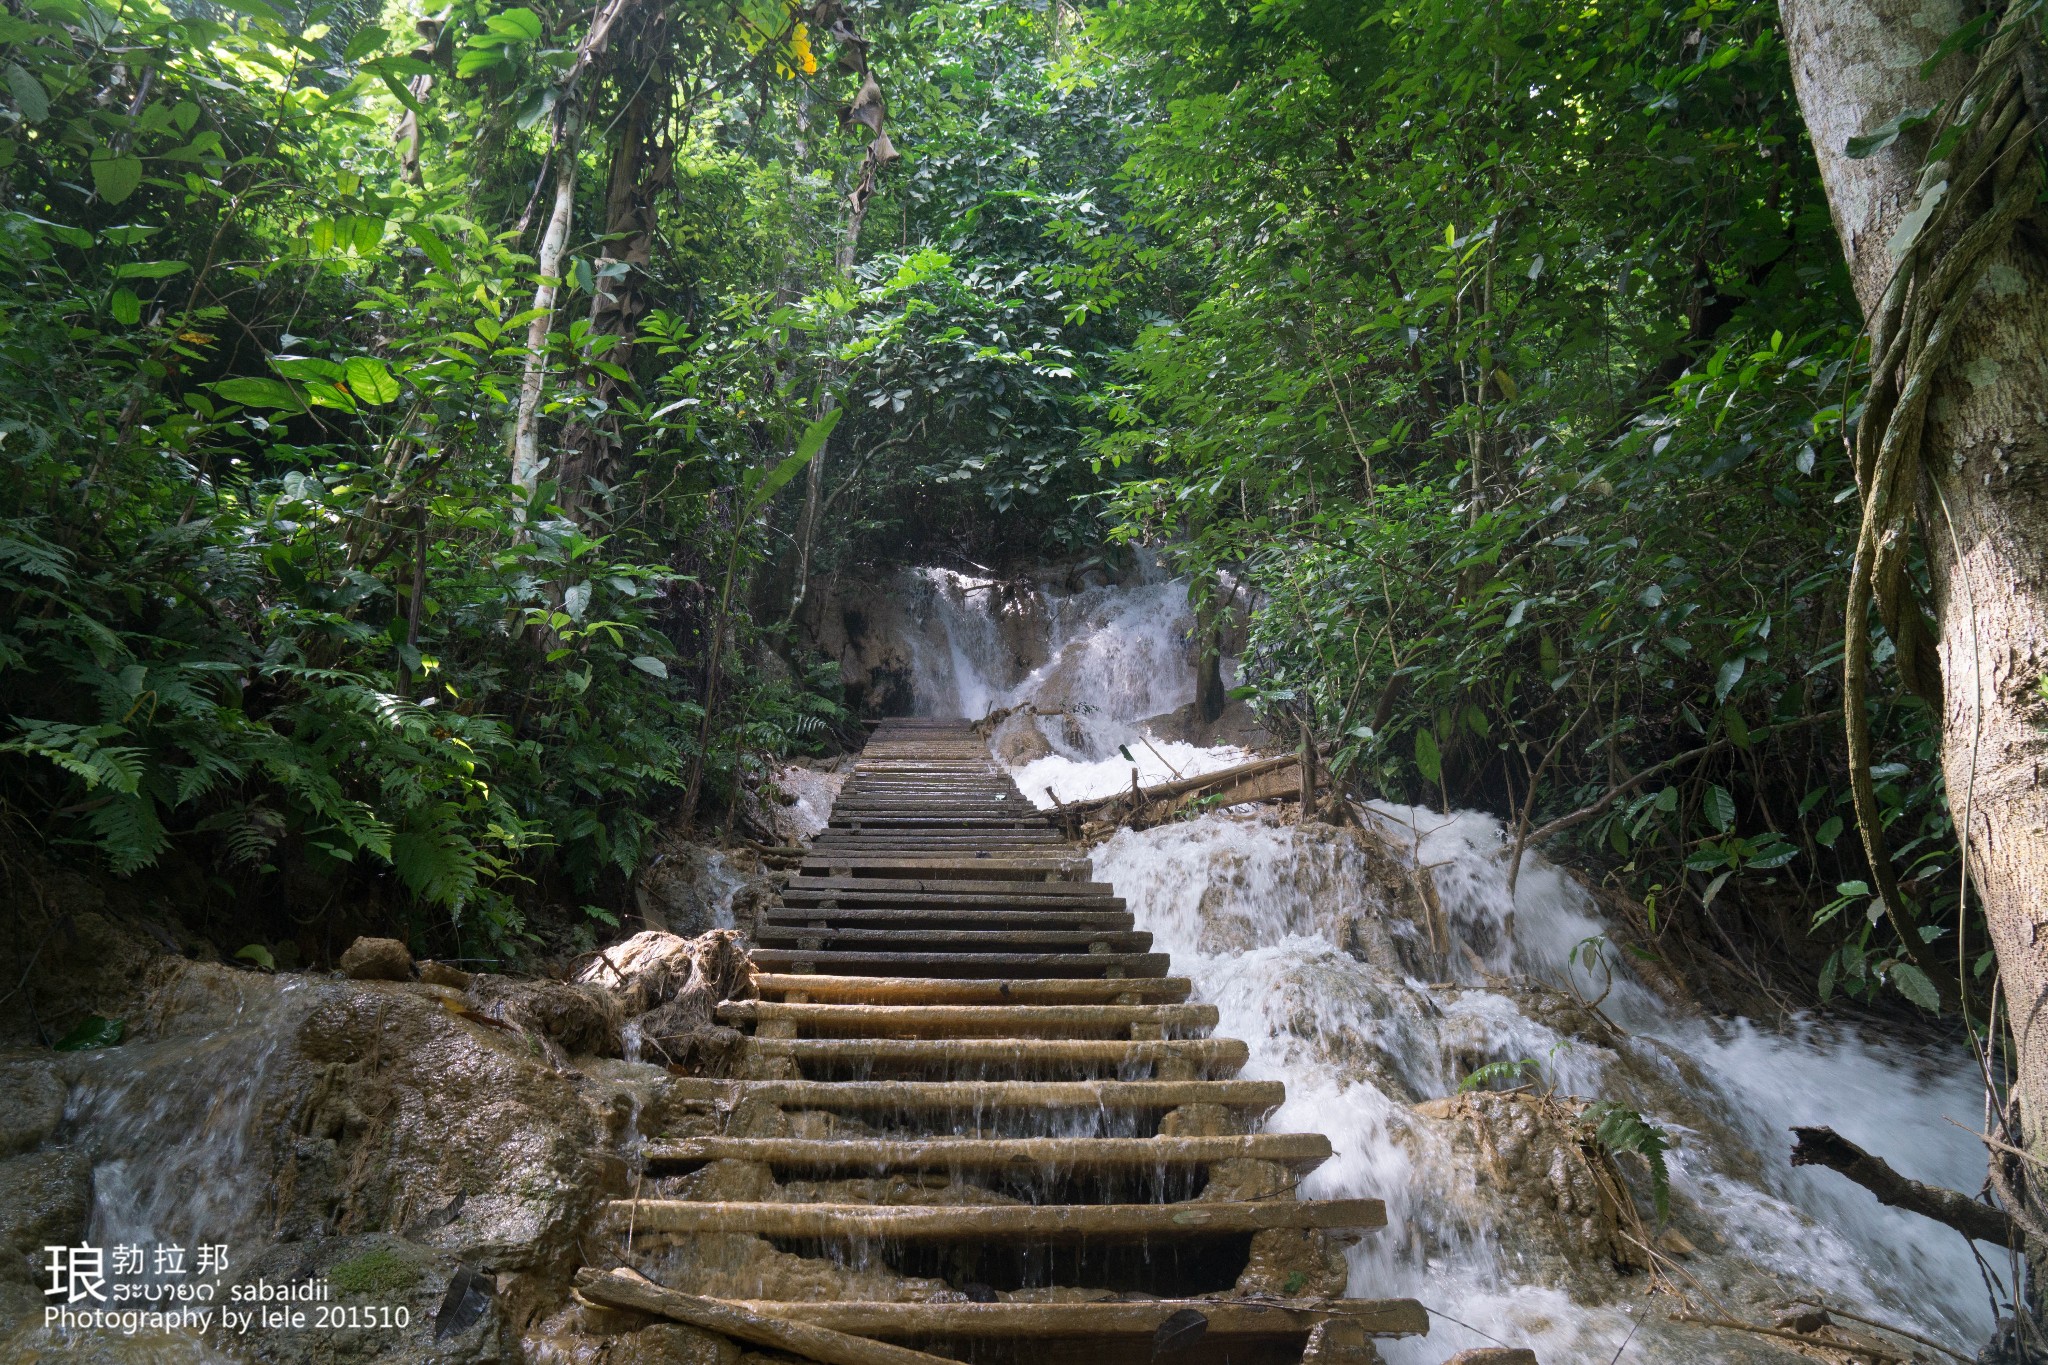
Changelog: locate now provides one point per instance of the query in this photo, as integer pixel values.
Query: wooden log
(946, 886)
(1017, 897)
(1227, 1318)
(947, 917)
(947, 865)
(986, 1095)
(953, 1222)
(1214, 1057)
(867, 938)
(883, 990)
(745, 1322)
(1300, 1152)
(1187, 786)
(960, 964)
(970, 1021)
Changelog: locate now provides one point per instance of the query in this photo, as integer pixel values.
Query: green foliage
(92, 1032)
(272, 606)
(1618, 1129)
(1488, 1074)
(1501, 360)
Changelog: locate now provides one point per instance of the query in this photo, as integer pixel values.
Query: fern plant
(1617, 1128)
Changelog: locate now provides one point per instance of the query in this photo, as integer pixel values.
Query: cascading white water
(1103, 658)
(1299, 940)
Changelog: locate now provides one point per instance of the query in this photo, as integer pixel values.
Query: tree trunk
(1982, 498)
(554, 241)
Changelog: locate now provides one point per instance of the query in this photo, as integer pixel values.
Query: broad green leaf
(367, 39)
(812, 441)
(115, 177)
(647, 663)
(258, 393)
(1730, 674)
(149, 270)
(432, 246)
(1719, 807)
(518, 25)
(125, 307)
(1914, 985)
(1886, 133)
(258, 954)
(29, 96)
(1429, 760)
(1908, 231)
(369, 380)
(92, 1032)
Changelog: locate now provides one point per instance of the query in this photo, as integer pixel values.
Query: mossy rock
(380, 1270)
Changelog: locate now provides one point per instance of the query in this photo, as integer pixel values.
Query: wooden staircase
(976, 1117)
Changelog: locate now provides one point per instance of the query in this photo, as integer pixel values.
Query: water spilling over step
(974, 1116)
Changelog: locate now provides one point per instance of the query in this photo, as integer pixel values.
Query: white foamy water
(1309, 946)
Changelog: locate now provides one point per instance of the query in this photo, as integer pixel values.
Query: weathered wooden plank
(879, 990)
(986, 1095)
(623, 1288)
(969, 1021)
(1300, 1152)
(952, 1222)
(943, 886)
(938, 917)
(1208, 1057)
(962, 940)
(1226, 1317)
(827, 962)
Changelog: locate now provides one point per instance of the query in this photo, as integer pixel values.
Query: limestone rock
(377, 959)
(31, 1106)
(441, 974)
(581, 1020)
(1289, 1262)
(1538, 1172)
(671, 1343)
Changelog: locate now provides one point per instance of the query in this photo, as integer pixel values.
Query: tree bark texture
(1982, 496)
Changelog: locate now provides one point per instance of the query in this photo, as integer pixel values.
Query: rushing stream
(1296, 936)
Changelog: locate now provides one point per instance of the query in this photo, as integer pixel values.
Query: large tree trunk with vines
(1972, 453)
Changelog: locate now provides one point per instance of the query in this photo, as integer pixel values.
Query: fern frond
(128, 831)
(1617, 1128)
(1499, 1071)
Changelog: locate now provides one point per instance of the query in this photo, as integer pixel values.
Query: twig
(1833, 1311)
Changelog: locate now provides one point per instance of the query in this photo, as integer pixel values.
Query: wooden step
(998, 896)
(936, 917)
(911, 990)
(1237, 1318)
(984, 1096)
(821, 962)
(947, 886)
(971, 1021)
(1299, 1152)
(1207, 1057)
(871, 939)
(951, 867)
(954, 1222)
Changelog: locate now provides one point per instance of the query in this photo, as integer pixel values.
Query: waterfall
(1301, 938)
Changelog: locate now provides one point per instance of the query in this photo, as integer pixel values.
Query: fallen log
(1264, 779)
(1979, 1222)
(624, 1289)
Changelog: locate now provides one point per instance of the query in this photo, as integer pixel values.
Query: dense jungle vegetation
(421, 429)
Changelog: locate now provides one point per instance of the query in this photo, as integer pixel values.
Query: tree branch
(1584, 813)
(1979, 1222)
